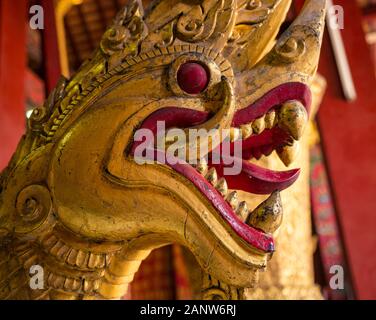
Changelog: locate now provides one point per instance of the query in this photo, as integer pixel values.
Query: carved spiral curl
(127, 30)
(114, 39)
(33, 205)
(291, 49)
(37, 118)
(253, 4)
(189, 28)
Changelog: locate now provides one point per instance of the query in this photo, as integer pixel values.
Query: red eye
(193, 78)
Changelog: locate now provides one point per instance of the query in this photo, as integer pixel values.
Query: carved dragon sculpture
(73, 199)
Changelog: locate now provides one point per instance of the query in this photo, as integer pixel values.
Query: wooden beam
(75, 56)
(51, 54)
(13, 26)
(116, 5)
(89, 38)
(101, 14)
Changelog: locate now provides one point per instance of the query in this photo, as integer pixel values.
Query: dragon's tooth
(222, 187)
(232, 199)
(242, 210)
(202, 167)
(234, 134)
(293, 118)
(268, 215)
(212, 176)
(288, 153)
(258, 125)
(246, 130)
(270, 119)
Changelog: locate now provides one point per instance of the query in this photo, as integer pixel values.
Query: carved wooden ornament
(74, 200)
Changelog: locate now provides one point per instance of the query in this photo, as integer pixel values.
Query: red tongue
(255, 179)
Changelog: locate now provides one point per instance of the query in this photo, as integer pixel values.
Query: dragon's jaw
(180, 203)
(210, 177)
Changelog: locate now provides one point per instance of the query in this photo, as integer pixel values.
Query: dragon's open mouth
(271, 123)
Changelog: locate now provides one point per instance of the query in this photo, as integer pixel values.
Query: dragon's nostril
(193, 78)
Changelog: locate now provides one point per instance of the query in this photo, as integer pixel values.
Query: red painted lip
(255, 238)
(252, 178)
(277, 96)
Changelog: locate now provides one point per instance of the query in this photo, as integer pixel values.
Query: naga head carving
(207, 64)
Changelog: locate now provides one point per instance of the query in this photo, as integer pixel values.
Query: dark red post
(13, 15)
(51, 54)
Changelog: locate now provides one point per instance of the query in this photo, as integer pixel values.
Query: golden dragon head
(200, 64)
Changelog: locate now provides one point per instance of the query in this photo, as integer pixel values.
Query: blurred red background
(29, 69)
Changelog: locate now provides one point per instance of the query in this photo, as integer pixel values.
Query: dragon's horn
(302, 41)
(294, 58)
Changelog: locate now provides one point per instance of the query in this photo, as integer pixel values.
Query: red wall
(12, 74)
(349, 137)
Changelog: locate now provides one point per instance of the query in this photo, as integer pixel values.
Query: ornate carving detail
(75, 98)
(199, 23)
(126, 33)
(291, 49)
(85, 286)
(33, 206)
(214, 289)
(75, 201)
(84, 259)
(251, 14)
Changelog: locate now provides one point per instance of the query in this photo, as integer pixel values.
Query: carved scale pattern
(69, 272)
